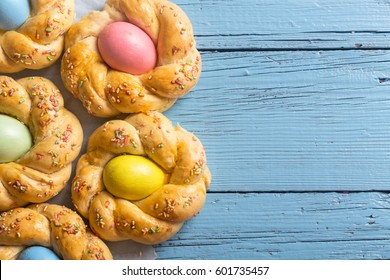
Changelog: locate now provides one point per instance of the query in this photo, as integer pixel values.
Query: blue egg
(13, 13)
(37, 253)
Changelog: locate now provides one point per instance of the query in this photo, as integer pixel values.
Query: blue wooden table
(294, 110)
(293, 107)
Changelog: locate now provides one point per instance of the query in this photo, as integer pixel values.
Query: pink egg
(127, 48)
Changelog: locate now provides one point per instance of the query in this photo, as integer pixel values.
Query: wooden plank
(289, 24)
(293, 121)
(283, 24)
(286, 226)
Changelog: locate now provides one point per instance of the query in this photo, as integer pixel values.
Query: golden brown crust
(159, 216)
(57, 134)
(52, 226)
(10, 252)
(39, 42)
(105, 92)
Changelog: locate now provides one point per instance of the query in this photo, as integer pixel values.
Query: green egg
(15, 139)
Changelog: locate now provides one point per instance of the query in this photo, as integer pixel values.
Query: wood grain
(286, 226)
(289, 24)
(293, 110)
(293, 121)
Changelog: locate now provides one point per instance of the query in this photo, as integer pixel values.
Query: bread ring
(51, 226)
(159, 216)
(44, 170)
(105, 92)
(39, 42)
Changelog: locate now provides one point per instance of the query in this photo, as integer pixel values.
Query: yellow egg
(132, 177)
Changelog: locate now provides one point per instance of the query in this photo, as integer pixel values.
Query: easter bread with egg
(121, 208)
(49, 225)
(43, 170)
(109, 71)
(39, 41)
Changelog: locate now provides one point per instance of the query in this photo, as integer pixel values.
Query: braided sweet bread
(39, 42)
(44, 169)
(160, 215)
(51, 226)
(107, 92)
